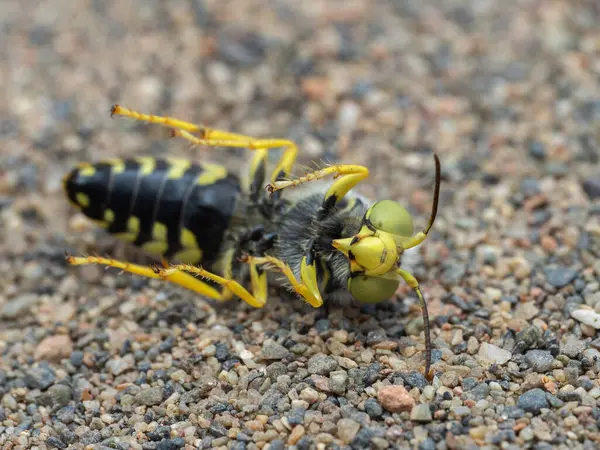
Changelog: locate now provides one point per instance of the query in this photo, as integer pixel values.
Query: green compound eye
(372, 289)
(391, 217)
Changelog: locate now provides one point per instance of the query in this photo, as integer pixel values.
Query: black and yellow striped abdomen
(168, 207)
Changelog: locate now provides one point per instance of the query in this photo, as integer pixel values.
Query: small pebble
(494, 354)
(533, 401)
(395, 398)
(539, 360)
(421, 413)
(347, 430)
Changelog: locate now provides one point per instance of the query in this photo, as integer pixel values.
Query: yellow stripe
(109, 215)
(147, 165)
(178, 168)
(211, 174)
(188, 239)
(133, 229)
(82, 199)
(118, 165)
(86, 170)
(159, 232)
(155, 247)
(188, 256)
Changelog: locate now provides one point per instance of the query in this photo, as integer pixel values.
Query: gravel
(504, 92)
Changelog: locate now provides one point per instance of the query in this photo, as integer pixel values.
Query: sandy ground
(507, 93)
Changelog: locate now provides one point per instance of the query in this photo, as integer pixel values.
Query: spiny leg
(299, 287)
(182, 275)
(182, 279)
(413, 283)
(226, 283)
(422, 235)
(216, 138)
(222, 139)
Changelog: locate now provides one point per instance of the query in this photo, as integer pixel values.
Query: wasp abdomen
(168, 207)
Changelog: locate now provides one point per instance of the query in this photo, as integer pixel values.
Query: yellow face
(375, 250)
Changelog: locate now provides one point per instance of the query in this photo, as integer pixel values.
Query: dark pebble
(530, 187)
(537, 150)
(242, 49)
(68, 436)
(414, 379)
(55, 442)
(533, 401)
(243, 437)
(591, 187)
(304, 443)
(569, 396)
(503, 436)
(230, 363)
(219, 408)
(560, 276)
(66, 415)
(238, 445)
(376, 336)
(372, 374)
(76, 358)
(40, 377)
(277, 444)
(296, 416)
(373, 408)
(363, 438)
(554, 401)
(469, 383)
(321, 364)
(479, 392)
(540, 216)
(276, 369)
(539, 360)
(222, 352)
(271, 398)
(91, 437)
(427, 444)
(322, 325)
(170, 444)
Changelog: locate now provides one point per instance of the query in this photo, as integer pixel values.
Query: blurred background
(507, 93)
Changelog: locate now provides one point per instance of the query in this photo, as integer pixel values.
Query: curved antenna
(436, 193)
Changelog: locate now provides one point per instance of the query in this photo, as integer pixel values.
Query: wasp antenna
(436, 193)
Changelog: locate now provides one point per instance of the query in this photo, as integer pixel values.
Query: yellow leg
(299, 288)
(258, 279)
(226, 283)
(182, 275)
(413, 283)
(218, 138)
(181, 279)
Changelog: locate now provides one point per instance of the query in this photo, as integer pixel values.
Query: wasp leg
(182, 275)
(350, 175)
(300, 288)
(227, 283)
(258, 279)
(413, 283)
(217, 138)
(183, 279)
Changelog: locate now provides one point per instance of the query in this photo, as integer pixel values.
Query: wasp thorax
(374, 254)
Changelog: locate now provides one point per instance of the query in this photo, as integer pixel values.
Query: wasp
(225, 233)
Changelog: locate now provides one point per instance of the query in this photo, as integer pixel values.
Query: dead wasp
(324, 242)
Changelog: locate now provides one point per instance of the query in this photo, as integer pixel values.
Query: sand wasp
(224, 232)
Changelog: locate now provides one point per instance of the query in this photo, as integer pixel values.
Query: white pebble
(587, 317)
